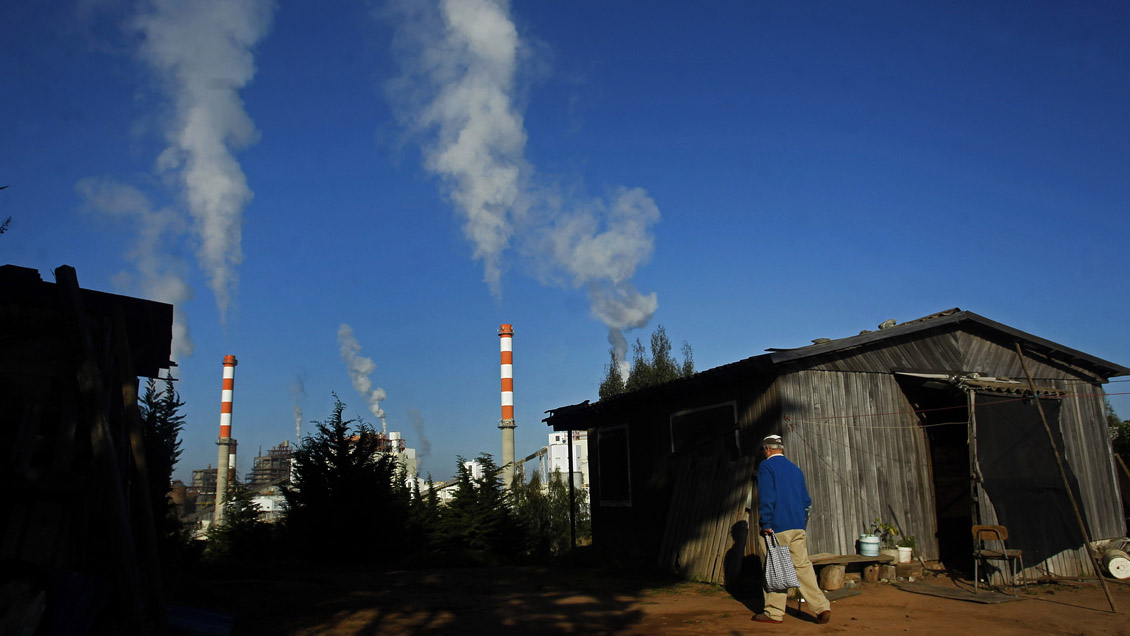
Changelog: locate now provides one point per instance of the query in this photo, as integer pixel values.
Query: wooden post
(1123, 465)
(1066, 484)
(871, 573)
(572, 497)
(832, 577)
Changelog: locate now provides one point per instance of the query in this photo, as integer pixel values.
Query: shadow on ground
(358, 600)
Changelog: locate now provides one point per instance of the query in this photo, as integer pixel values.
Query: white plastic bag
(780, 574)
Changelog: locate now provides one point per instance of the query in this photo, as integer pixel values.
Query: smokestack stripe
(226, 396)
(506, 345)
(225, 458)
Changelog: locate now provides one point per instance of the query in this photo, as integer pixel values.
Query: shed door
(944, 415)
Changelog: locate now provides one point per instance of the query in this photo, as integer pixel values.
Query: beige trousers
(797, 540)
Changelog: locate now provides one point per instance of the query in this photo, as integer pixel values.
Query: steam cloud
(160, 276)
(298, 391)
(202, 52)
(457, 95)
(360, 368)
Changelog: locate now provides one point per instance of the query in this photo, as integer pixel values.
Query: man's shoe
(764, 618)
(823, 617)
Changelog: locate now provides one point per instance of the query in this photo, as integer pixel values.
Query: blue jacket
(783, 500)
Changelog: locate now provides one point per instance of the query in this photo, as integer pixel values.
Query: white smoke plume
(360, 368)
(462, 62)
(160, 276)
(458, 93)
(298, 392)
(202, 52)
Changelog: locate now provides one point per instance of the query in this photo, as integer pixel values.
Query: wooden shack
(77, 549)
(929, 425)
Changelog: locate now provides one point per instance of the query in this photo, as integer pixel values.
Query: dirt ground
(558, 601)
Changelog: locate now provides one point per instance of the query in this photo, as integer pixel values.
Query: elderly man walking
(783, 505)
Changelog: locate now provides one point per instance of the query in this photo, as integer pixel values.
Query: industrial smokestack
(506, 345)
(225, 458)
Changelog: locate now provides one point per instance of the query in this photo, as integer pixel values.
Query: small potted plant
(905, 548)
(886, 533)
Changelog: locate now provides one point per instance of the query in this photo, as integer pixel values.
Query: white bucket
(868, 545)
(905, 554)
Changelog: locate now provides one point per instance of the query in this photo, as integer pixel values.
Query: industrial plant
(200, 503)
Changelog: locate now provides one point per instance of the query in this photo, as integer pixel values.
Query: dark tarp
(1021, 477)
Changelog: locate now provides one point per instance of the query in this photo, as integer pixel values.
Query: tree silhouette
(647, 369)
(343, 486)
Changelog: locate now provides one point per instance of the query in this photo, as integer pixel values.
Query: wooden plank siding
(707, 503)
(1088, 453)
(848, 424)
(1088, 456)
(938, 352)
(995, 355)
(864, 456)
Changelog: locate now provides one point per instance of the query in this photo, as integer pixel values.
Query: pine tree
(663, 366)
(479, 519)
(162, 423)
(613, 383)
(242, 536)
(687, 368)
(640, 376)
(647, 369)
(423, 517)
(532, 509)
(343, 484)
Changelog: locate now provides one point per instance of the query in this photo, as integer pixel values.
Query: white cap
(772, 439)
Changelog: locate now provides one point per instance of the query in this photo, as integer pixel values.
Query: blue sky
(747, 174)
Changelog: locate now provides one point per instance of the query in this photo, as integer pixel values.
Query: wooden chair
(988, 545)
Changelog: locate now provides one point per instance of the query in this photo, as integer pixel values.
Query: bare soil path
(558, 601)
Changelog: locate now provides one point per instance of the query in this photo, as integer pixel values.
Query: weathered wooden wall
(1087, 455)
(848, 424)
(864, 456)
(1083, 422)
(708, 526)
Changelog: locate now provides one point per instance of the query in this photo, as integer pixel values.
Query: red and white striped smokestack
(223, 460)
(506, 346)
(226, 396)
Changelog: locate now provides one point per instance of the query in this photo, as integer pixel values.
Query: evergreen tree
(663, 367)
(613, 383)
(558, 497)
(343, 484)
(647, 369)
(423, 516)
(242, 536)
(640, 376)
(479, 519)
(536, 517)
(687, 368)
(162, 423)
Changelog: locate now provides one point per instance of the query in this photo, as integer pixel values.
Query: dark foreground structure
(77, 545)
(929, 425)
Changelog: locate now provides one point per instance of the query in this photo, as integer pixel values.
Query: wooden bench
(831, 568)
(827, 558)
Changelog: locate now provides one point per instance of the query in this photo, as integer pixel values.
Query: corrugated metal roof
(948, 317)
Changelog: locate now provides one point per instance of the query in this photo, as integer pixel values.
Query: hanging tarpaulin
(1019, 478)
